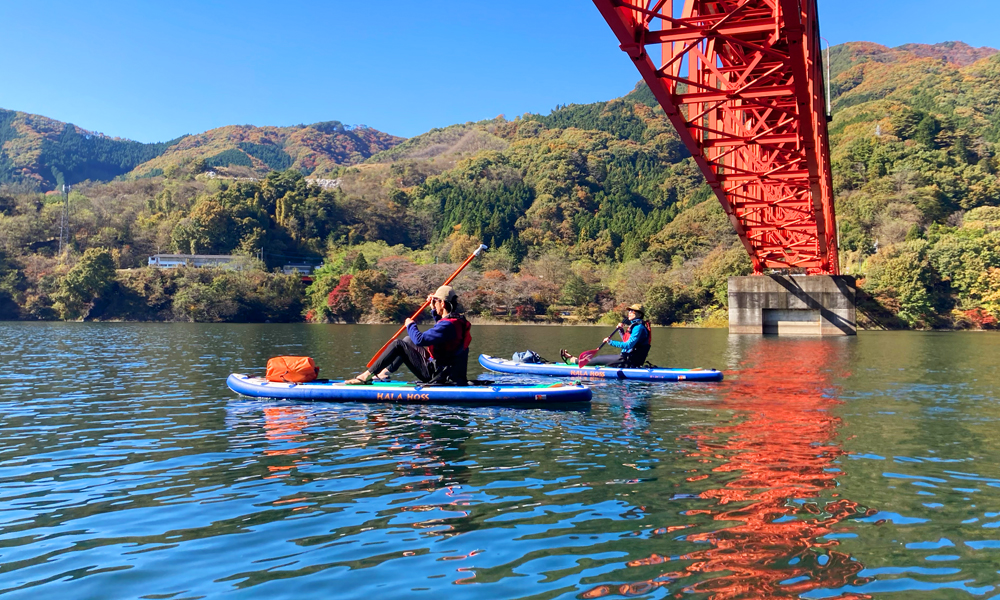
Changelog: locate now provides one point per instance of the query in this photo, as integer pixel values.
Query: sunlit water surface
(821, 468)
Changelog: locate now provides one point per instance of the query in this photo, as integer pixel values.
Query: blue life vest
(636, 357)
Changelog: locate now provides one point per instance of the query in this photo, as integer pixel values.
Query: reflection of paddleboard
(501, 365)
(490, 395)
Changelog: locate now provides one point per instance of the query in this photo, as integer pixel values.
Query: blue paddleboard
(487, 395)
(501, 365)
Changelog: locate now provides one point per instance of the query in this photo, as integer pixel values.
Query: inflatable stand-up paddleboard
(501, 365)
(337, 391)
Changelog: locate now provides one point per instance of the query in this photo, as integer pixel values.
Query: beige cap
(637, 308)
(446, 293)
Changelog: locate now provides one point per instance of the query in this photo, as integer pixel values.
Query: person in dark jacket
(438, 355)
(637, 337)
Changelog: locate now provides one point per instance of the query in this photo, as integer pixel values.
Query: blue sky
(154, 71)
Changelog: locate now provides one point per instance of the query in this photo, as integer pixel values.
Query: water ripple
(820, 469)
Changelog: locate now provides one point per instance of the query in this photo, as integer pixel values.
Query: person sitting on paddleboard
(637, 337)
(438, 355)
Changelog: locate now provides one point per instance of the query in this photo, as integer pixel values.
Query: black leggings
(608, 360)
(404, 351)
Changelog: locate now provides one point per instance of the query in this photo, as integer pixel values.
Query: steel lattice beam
(742, 82)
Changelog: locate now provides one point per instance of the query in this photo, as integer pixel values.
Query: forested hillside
(38, 152)
(914, 142)
(316, 149)
(42, 153)
(586, 209)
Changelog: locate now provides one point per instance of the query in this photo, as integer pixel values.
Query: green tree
(927, 130)
(577, 292)
(659, 305)
(88, 280)
(12, 287)
(360, 263)
(902, 278)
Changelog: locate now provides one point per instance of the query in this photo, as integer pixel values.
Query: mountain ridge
(46, 153)
(847, 55)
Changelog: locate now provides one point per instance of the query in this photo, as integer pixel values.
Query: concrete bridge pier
(793, 305)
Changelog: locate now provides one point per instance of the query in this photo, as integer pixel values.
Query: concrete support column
(793, 305)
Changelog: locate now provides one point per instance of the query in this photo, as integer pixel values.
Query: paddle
(586, 357)
(425, 304)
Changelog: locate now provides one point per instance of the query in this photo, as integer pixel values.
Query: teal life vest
(636, 357)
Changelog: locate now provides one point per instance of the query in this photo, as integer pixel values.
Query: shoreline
(474, 321)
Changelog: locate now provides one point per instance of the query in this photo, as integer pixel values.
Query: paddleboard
(412, 393)
(501, 365)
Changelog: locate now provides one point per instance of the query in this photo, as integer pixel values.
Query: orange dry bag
(292, 369)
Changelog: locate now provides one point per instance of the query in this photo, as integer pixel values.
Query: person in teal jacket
(637, 338)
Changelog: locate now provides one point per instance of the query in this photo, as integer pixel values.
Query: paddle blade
(586, 357)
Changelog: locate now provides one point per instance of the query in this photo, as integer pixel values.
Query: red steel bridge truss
(742, 82)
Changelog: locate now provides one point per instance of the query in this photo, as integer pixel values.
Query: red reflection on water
(779, 454)
(285, 424)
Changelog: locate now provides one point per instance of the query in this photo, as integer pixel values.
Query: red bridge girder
(742, 82)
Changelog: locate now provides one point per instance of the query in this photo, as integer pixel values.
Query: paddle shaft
(605, 343)
(426, 303)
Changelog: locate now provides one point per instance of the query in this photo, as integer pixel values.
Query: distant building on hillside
(326, 184)
(172, 261)
(302, 268)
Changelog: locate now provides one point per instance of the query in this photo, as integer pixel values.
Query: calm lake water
(821, 468)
